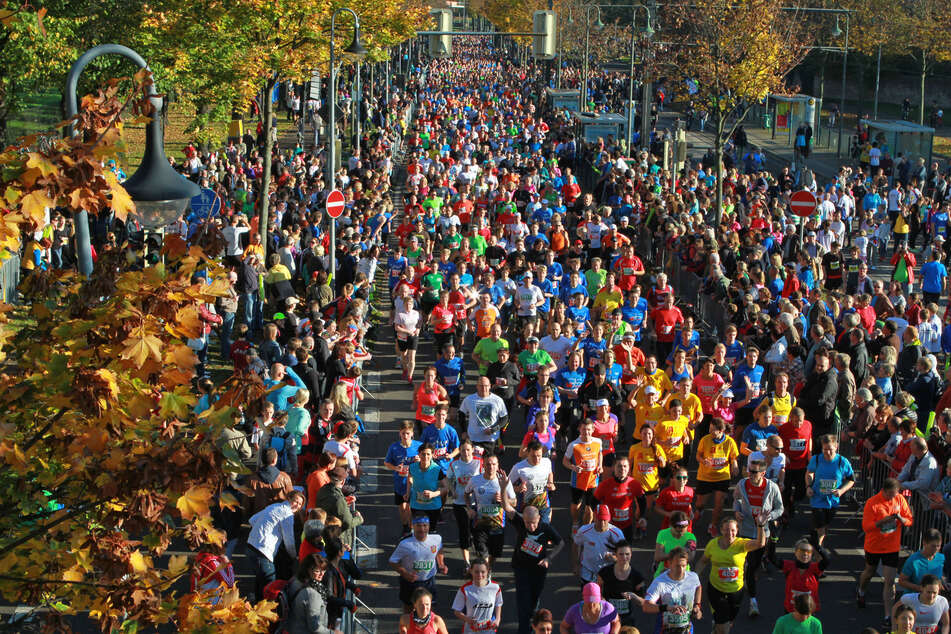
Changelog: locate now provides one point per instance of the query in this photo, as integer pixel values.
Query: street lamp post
(355, 48)
(159, 192)
(583, 90)
(845, 62)
(647, 32)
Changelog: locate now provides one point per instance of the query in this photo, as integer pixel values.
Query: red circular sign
(334, 203)
(803, 203)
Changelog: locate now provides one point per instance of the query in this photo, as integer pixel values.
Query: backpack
(281, 442)
(278, 591)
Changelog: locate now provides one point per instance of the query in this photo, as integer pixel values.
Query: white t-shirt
(894, 199)
(534, 477)
(773, 468)
(484, 490)
(478, 603)
(594, 545)
(342, 450)
(460, 473)
(527, 297)
(232, 236)
(927, 617)
(666, 591)
(557, 349)
(874, 157)
(483, 413)
(418, 556)
(408, 320)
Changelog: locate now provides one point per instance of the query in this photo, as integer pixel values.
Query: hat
(727, 394)
(650, 389)
(602, 401)
(292, 300)
(939, 237)
(811, 234)
(625, 219)
(579, 243)
(604, 513)
(279, 316)
(313, 528)
(592, 591)
(532, 340)
(421, 519)
(628, 336)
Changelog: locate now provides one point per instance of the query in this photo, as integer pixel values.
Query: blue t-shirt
(399, 455)
(827, 477)
(735, 352)
(755, 436)
(593, 351)
(395, 266)
(452, 374)
(570, 379)
(738, 387)
(425, 480)
(580, 317)
(568, 291)
(635, 316)
(917, 566)
(614, 374)
(444, 442)
(546, 288)
(933, 275)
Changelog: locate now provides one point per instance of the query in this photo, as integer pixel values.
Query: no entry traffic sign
(334, 203)
(803, 203)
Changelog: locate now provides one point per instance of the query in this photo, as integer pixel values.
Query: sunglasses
(680, 477)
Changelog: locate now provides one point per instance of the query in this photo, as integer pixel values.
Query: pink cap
(591, 592)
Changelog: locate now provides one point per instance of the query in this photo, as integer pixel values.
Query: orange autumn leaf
(140, 346)
(195, 502)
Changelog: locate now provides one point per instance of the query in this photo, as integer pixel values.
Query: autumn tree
(734, 54)
(259, 44)
(924, 31)
(102, 461)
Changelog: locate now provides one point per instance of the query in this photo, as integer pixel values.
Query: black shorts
(411, 343)
(725, 605)
(580, 495)
(407, 589)
(488, 543)
(822, 517)
(399, 499)
(705, 487)
(887, 559)
(461, 512)
(454, 400)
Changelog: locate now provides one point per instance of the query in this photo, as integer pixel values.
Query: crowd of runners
(546, 349)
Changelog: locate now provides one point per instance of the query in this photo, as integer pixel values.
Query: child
(802, 573)
(240, 348)
(883, 379)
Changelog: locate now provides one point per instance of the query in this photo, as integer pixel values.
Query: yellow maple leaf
(12, 195)
(139, 562)
(195, 501)
(228, 501)
(34, 206)
(121, 203)
(189, 323)
(74, 574)
(140, 346)
(177, 564)
(35, 160)
(181, 356)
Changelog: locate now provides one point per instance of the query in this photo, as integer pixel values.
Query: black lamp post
(160, 193)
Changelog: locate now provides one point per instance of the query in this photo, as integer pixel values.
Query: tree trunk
(921, 113)
(204, 145)
(268, 108)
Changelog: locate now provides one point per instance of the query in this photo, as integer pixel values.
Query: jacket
(268, 485)
(907, 360)
(920, 475)
(331, 499)
(237, 441)
(308, 610)
(772, 506)
(247, 278)
(818, 398)
(927, 391)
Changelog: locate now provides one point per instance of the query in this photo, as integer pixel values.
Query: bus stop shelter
(790, 111)
(590, 126)
(912, 140)
(561, 98)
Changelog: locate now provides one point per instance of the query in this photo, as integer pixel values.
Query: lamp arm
(72, 78)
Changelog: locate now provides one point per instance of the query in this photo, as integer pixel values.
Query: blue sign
(207, 204)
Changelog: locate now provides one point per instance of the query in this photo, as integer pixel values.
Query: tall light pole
(583, 90)
(845, 65)
(647, 32)
(355, 48)
(159, 192)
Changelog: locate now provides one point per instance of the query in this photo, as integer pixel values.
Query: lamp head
(160, 193)
(836, 32)
(599, 25)
(356, 47)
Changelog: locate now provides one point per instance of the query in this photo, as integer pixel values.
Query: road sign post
(334, 206)
(803, 203)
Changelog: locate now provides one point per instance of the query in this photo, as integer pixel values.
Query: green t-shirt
(433, 204)
(478, 244)
(666, 539)
(622, 330)
(433, 282)
(413, 256)
(452, 242)
(594, 280)
(488, 349)
(531, 362)
(789, 625)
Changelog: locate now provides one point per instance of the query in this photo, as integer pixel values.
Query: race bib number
(451, 380)
(402, 336)
(627, 270)
(621, 515)
(674, 620)
(501, 382)
(645, 467)
(423, 565)
(797, 444)
(489, 510)
(780, 419)
(404, 470)
(889, 526)
(666, 329)
(589, 465)
(728, 573)
(623, 606)
(531, 547)
(800, 593)
(421, 498)
(440, 452)
(429, 410)
(760, 444)
(826, 487)
(756, 510)
(719, 462)
(531, 368)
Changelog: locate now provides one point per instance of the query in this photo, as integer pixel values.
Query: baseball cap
(604, 513)
(592, 591)
(727, 394)
(602, 401)
(650, 389)
(532, 340)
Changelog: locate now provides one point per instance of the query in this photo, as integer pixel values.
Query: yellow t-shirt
(693, 410)
(782, 405)
(644, 465)
(722, 453)
(608, 301)
(649, 415)
(659, 380)
(670, 434)
(726, 569)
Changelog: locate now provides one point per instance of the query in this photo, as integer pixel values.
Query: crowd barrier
(10, 279)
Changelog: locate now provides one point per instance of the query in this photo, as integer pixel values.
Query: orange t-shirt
(586, 456)
(888, 538)
(316, 479)
(484, 319)
(559, 241)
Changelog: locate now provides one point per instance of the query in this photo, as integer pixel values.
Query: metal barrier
(10, 279)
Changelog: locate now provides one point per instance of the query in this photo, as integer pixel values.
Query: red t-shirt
(626, 267)
(619, 497)
(670, 499)
(621, 356)
(443, 319)
(755, 494)
(706, 390)
(665, 321)
(796, 444)
(801, 581)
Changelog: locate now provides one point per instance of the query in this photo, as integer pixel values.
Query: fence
(10, 279)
